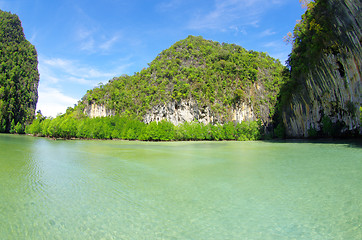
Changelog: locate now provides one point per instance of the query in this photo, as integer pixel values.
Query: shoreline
(349, 138)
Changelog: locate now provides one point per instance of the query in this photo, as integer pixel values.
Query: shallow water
(179, 190)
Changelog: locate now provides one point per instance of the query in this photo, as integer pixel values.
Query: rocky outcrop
(188, 111)
(180, 112)
(19, 76)
(332, 88)
(95, 110)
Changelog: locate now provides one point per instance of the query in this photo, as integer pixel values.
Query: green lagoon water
(179, 190)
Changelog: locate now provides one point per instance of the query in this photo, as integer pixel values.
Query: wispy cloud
(33, 35)
(168, 5)
(52, 101)
(273, 44)
(231, 14)
(107, 45)
(94, 41)
(74, 70)
(267, 32)
(277, 49)
(226, 14)
(92, 36)
(57, 74)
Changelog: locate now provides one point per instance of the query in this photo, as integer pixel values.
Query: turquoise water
(179, 190)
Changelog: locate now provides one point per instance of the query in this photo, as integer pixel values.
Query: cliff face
(188, 111)
(19, 75)
(183, 111)
(95, 110)
(331, 90)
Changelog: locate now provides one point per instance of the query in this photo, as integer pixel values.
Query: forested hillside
(19, 75)
(210, 76)
(213, 75)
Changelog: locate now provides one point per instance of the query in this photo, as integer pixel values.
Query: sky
(82, 43)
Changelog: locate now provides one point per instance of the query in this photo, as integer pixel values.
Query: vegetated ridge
(19, 76)
(195, 79)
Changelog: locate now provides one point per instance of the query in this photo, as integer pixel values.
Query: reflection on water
(179, 190)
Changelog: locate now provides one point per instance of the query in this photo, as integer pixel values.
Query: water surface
(179, 190)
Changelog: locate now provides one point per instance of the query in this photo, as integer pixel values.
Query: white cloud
(88, 45)
(109, 43)
(57, 74)
(94, 40)
(228, 14)
(267, 32)
(83, 33)
(274, 44)
(72, 70)
(46, 73)
(52, 101)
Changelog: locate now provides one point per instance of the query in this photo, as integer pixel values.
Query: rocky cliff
(19, 75)
(188, 111)
(94, 110)
(327, 98)
(183, 111)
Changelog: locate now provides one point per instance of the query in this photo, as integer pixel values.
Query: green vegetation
(73, 125)
(213, 74)
(312, 37)
(19, 76)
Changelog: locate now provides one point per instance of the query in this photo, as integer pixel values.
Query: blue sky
(81, 43)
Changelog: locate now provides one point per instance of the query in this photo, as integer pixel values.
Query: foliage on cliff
(19, 76)
(312, 37)
(215, 75)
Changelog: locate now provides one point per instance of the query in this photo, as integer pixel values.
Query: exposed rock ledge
(95, 110)
(188, 111)
(180, 112)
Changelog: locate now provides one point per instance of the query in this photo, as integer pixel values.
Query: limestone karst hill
(19, 75)
(194, 79)
(323, 96)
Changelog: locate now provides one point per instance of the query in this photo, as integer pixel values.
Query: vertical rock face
(95, 110)
(19, 75)
(189, 110)
(332, 89)
(180, 112)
